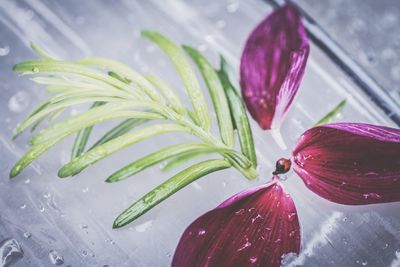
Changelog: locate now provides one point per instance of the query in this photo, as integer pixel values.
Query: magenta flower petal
(350, 163)
(253, 228)
(272, 66)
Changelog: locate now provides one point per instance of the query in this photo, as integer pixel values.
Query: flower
(347, 163)
(350, 163)
(272, 66)
(255, 227)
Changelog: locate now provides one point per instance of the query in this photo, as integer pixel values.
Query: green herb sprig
(120, 92)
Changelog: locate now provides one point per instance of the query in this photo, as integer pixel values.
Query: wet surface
(68, 221)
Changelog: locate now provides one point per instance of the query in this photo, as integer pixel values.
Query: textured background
(49, 217)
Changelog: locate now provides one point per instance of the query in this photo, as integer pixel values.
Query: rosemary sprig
(127, 94)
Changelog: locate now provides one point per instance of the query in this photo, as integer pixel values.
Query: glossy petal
(253, 228)
(350, 163)
(272, 66)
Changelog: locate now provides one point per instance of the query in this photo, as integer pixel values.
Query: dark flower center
(282, 166)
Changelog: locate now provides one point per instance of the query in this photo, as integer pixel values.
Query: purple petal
(350, 163)
(272, 66)
(253, 228)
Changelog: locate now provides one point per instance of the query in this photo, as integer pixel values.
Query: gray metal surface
(68, 221)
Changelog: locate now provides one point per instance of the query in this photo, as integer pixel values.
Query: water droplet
(292, 234)
(245, 245)
(4, 51)
(292, 216)
(84, 253)
(18, 102)
(144, 226)
(253, 259)
(85, 190)
(23, 206)
(27, 181)
(372, 196)
(220, 24)
(41, 208)
(56, 258)
(232, 7)
(344, 219)
(201, 232)
(35, 69)
(10, 252)
(240, 212)
(385, 246)
(27, 235)
(47, 195)
(364, 263)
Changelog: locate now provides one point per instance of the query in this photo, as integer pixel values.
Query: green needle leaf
(156, 157)
(239, 115)
(119, 130)
(184, 158)
(217, 95)
(82, 137)
(332, 114)
(168, 188)
(169, 93)
(41, 52)
(62, 67)
(187, 74)
(93, 116)
(90, 157)
(127, 72)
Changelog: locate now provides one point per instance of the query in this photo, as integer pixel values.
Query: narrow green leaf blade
(187, 74)
(154, 158)
(169, 93)
(239, 115)
(185, 157)
(127, 72)
(90, 157)
(168, 188)
(82, 137)
(332, 114)
(93, 116)
(119, 130)
(41, 52)
(217, 94)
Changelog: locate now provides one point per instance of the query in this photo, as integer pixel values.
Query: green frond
(217, 94)
(187, 75)
(82, 137)
(99, 152)
(239, 115)
(168, 188)
(157, 157)
(119, 130)
(126, 72)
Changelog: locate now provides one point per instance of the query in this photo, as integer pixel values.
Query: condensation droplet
(56, 258)
(4, 51)
(201, 232)
(253, 259)
(27, 181)
(23, 206)
(85, 190)
(27, 235)
(18, 102)
(10, 252)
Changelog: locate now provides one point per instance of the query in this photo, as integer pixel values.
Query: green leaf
(39, 115)
(119, 130)
(117, 76)
(332, 114)
(169, 93)
(217, 95)
(127, 72)
(99, 152)
(41, 52)
(239, 115)
(93, 116)
(184, 158)
(82, 137)
(168, 188)
(67, 68)
(188, 77)
(156, 157)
